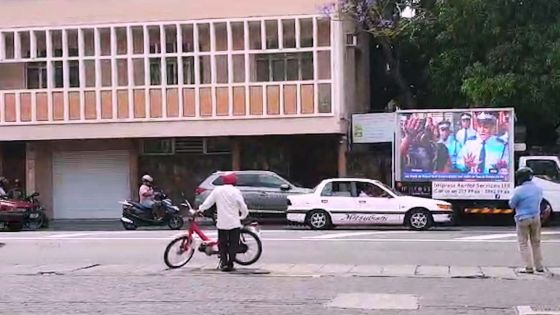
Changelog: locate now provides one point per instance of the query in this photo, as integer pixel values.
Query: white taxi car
(359, 201)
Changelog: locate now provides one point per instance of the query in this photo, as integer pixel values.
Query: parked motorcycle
(135, 214)
(33, 217)
(11, 215)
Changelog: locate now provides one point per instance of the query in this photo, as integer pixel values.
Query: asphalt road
(466, 246)
(344, 271)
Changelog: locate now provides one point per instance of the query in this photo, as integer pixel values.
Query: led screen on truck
(455, 147)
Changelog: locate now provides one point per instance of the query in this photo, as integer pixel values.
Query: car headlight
(443, 206)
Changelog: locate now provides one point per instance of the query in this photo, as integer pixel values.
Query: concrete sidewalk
(288, 270)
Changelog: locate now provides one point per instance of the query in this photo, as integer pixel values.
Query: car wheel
(419, 219)
(319, 220)
(546, 213)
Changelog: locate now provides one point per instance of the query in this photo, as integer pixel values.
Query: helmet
(229, 178)
(524, 174)
(147, 178)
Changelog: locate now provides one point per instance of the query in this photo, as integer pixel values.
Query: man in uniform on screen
(466, 132)
(486, 154)
(447, 138)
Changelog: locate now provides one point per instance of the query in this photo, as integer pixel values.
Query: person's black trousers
(228, 242)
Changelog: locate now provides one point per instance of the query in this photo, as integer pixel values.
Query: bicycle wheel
(178, 253)
(250, 248)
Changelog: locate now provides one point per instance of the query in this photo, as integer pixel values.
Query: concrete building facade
(95, 93)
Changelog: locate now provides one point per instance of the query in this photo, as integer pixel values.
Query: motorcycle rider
(3, 185)
(147, 195)
(231, 210)
(16, 192)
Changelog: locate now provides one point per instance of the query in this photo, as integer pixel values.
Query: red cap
(229, 178)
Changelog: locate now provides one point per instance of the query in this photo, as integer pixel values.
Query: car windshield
(289, 180)
(315, 188)
(390, 189)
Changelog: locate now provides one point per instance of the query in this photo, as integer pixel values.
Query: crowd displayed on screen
(451, 146)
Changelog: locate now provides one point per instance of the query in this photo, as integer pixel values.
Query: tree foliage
(386, 21)
(459, 53)
(499, 53)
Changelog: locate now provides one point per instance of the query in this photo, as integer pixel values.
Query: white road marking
(498, 236)
(68, 235)
(375, 301)
(487, 237)
(342, 235)
(399, 240)
(528, 310)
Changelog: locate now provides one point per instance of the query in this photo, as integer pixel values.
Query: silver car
(264, 192)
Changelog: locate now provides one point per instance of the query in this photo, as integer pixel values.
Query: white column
(2, 45)
(338, 46)
(147, 82)
(50, 73)
(82, 72)
(315, 68)
(213, 70)
(97, 45)
(17, 45)
(32, 45)
(65, 74)
(114, 73)
(130, 68)
(230, 68)
(196, 70)
(298, 33)
(18, 106)
(263, 34)
(163, 70)
(33, 101)
(181, 81)
(280, 34)
(2, 108)
(247, 65)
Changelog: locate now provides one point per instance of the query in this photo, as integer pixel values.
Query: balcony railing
(259, 100)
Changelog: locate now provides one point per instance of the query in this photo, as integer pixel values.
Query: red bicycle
(181, 250)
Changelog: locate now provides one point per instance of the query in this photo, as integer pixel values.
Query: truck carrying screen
(463, 153)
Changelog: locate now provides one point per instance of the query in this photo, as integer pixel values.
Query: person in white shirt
(231, 210)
